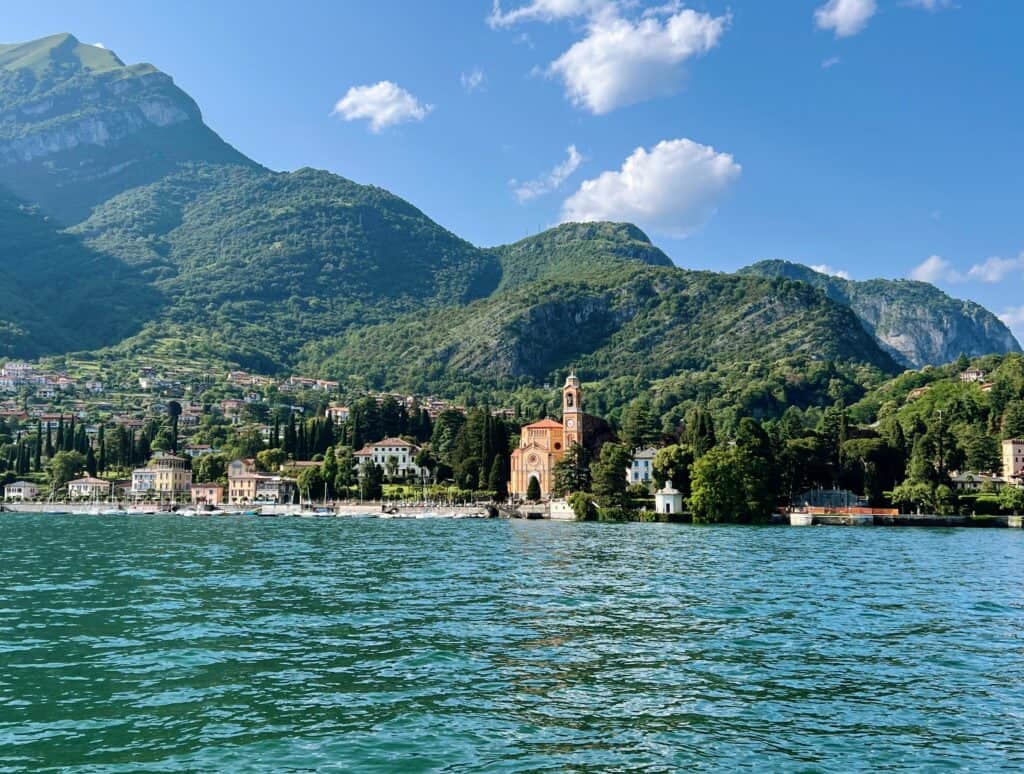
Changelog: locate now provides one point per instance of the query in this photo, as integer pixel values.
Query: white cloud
(384, 104)
(672, 189)
(931, 5)
(996, 269)
(531, 189)
(621, 62)
(824, 268)
(845, 17)
(473, 80)
(98, 45)
(545, 11)
(936, 269)
(992, 270)
(832, 61)
(1014, 319)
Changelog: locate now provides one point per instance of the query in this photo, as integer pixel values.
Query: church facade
(543, 444)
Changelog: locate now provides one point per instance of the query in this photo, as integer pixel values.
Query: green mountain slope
(263, 262)
(915, 322)
(56, 294)
(645, 322)
(78, 126)
(573, 249)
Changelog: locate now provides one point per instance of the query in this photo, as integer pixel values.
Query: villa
(89, 487)
(21, 490)
(402, 452)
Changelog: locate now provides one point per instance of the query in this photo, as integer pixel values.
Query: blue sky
(875, 137)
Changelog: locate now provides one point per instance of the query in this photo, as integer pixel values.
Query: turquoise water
(233, 643)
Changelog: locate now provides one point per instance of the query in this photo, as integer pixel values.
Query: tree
(1011, 498)
(982, 452)
(311, 482)
(833, 429)
(912, 494)
(345, 463)
(371, 482)
(497, 480)
(572, 472)
(700, 431)
(609, 475)
(731, 485)
(270, 460)
(871, 466)
(582, 504)
(717, 488)
(638, 427)
(90, 462)
(533, 490)
(174, 412)
(63, 467)
(673, 463)
(210, 468)
(1013, 420)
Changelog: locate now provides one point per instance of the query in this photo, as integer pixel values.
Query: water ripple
(288, 645)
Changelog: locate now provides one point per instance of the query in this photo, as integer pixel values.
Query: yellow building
(166, 474)
(246, 485)
(544, 443)
(1013, 460)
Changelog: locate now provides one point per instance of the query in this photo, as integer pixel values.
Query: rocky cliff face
(915, 322)
(78, 126)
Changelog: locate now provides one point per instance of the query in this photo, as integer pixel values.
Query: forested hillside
(177, 246)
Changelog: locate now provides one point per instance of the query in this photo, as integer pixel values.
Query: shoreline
(377, 510)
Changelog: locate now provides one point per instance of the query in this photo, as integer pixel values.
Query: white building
(403, 452)
(89, 487)
(338, 414)
(641, 469)
(668, 500)
(21, 490)
(973, 376)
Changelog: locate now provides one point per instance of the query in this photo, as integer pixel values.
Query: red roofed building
(543, 444)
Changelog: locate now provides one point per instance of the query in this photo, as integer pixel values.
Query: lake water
(233, 643)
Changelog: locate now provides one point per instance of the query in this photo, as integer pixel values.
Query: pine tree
(37, 451)
(533, 489)
(497, 481)
(90, 461)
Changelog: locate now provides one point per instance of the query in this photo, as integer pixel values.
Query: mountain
(253, 264)
(915, 322)
(130, 225)
(573, 248)
(604, 299)
(56, 293)
(78, 126)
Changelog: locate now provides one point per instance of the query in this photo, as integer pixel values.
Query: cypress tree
(37, 451)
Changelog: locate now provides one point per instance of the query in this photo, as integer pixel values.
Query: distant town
(167, 438)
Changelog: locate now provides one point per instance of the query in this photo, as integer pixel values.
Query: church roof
(545, 424)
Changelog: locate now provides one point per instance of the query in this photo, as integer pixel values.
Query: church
(543, 444)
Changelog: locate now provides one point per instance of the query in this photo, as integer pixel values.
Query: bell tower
(572, 411)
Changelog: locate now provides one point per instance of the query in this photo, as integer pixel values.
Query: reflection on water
(169, 643)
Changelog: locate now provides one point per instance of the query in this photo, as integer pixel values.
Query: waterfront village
(172, 438)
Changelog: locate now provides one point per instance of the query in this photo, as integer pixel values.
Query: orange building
(543, 444)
